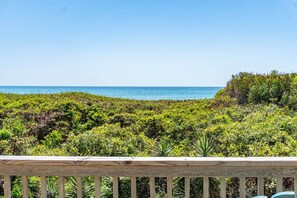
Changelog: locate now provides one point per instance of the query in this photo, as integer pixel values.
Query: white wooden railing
(151, 167)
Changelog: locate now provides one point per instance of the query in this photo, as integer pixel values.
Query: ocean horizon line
(150, 86)
(130, 92)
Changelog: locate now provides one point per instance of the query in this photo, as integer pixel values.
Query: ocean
(139, 93)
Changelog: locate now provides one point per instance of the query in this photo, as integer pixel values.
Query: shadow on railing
(150, 167)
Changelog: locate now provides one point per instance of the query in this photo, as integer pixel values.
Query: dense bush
(274, 88)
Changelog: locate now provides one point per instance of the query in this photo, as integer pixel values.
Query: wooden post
(7, 186)
(133, 187)
(61, 187)
(223, 187)
(115, 187)
(152, 187)
(205, 187)
(242, 187)
(43, 187)
(187, 187)
(79, 187)
(295, 186)
(169, 187)
(97, 186)
(25, 187)
(279, 184)
(260, 183)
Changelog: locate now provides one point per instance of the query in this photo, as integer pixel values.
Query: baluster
(223, 187)
(152, 187)
(79, 187)
(295, 186)
(61, 187)
(25, 189)
(260, 185)
(7, 186)
(242, 187)
(43, 187)
(205, 187)
(115, 187)
(97, 186)
(279, 184)
(169, 187)
(133, 187)
(187, 187)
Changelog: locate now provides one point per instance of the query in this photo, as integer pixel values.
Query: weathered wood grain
(152, 187)
(115, 187)
(169, 187)
(79, 187)
(223, 187)
(205, 187)
(61, 187)
(260, 184)
(242, 187)
(7, 186)
(43, 187)
(187, 187)
(97, 186)
(295, 185)
(148, 167)
(25, 187)
(133, 187)
(279, 184)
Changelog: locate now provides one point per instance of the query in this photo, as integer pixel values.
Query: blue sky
(144, 42)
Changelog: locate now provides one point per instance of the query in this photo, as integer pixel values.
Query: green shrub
(5, 134)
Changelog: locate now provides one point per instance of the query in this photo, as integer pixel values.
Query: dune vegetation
(254, 115)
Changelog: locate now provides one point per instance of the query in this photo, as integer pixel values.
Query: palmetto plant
(52, 189)
(204, 146)
(163, 148)
(87, 187)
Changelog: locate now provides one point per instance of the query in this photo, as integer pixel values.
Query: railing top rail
(148, 166)
(153, 160)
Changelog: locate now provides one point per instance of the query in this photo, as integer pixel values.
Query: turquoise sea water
(143, 93)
